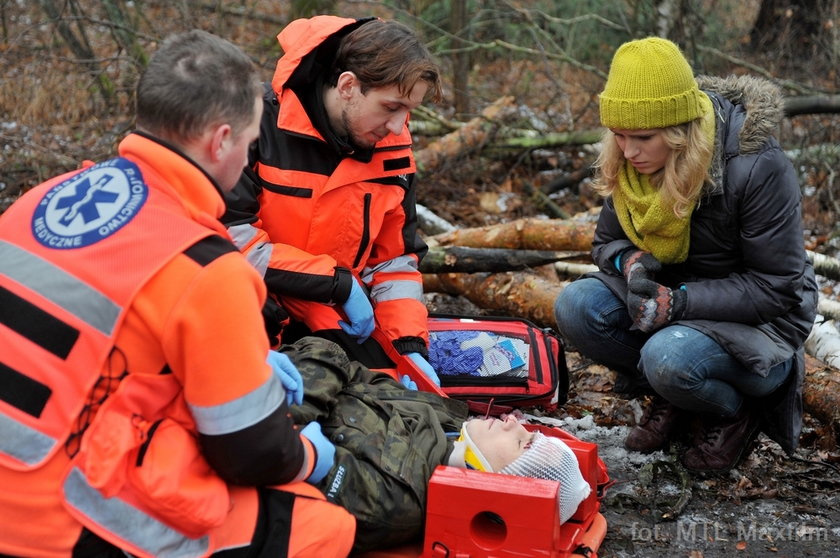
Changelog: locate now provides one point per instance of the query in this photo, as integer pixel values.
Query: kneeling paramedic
(140, 409)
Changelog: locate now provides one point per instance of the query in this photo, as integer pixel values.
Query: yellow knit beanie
(650, 85)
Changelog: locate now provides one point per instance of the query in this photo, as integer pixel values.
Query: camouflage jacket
(388, 440)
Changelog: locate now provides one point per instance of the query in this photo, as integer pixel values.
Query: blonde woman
(704, 296)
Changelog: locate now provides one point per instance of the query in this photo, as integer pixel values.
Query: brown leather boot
(655, 429)
(722, 442)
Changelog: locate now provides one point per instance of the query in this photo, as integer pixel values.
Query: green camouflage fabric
(388, 440)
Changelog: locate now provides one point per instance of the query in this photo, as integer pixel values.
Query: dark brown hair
(383, 53)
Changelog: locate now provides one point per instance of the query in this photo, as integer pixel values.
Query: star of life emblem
(90, 206)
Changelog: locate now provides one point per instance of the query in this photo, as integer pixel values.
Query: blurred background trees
(69, 69)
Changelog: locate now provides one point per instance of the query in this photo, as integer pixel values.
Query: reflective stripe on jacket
(61, 313)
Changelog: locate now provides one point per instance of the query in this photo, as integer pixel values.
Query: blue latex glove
(324, 450)
(408, 382)
(288, 375)
(360, 313)
(424, 365)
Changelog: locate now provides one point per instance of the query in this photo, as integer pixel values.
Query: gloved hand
(652, 305)
(360, 313)
(637, 264)
(408, 382)
(324, 452)
(288, 375)
(424, 365)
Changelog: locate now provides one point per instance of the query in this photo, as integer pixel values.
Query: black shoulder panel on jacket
(208, 249)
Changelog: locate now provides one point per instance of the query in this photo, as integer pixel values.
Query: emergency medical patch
(90, 206)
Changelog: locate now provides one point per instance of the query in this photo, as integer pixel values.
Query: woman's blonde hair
(682, 178)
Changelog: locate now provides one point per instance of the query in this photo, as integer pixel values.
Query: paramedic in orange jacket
(326, 208)
(141, 412)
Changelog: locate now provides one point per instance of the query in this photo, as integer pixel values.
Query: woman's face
(645, 149)
(500, 441)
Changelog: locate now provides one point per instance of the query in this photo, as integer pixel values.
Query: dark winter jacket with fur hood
(749, 283)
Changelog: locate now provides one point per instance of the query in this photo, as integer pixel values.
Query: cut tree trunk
(471, 136)
(454, 259)
(821, 394)
(812, 104)
(824, 265)
(524, 234)
(522, 294)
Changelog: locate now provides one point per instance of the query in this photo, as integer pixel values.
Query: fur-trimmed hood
(762, 100)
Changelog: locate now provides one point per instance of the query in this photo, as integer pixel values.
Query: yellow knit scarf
(647, 220)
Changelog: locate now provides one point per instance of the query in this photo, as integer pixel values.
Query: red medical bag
(543, 380)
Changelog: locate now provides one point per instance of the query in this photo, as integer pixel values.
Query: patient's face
(500, 441)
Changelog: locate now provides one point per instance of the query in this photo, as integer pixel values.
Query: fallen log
(824, 265)
(527, 234)
(471, 136)
(455, 259)
(821, 394)
(522, 294)
(431, 223)
(812, 104)
(573, 270)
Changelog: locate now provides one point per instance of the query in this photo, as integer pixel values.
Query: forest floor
(772, 504)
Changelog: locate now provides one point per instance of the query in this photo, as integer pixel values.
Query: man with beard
(326, 208)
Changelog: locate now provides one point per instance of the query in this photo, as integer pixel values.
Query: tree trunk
(460, 59)
(456, 259)
(471, 136)
(821, 394)
(78, 43)
(509, 294)
(124, 31)
(526, 234)
(793, 29)
(816, 104)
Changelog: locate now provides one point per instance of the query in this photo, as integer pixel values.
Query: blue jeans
(681, 364)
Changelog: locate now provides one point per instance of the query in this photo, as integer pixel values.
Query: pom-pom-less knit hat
(650, 85)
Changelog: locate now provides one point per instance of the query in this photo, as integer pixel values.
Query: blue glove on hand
(288, 375)
(360, 313)
(424, 365)
(324, 452)
(408, 382)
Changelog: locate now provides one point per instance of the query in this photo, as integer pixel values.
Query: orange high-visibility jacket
(133, 382)
(309, 214)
